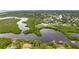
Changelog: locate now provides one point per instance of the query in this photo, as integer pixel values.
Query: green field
(9, 26)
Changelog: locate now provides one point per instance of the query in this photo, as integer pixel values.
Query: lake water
(21, 25)
(50, 34)
(47, 34)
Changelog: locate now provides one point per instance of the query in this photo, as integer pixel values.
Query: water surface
(47, 34)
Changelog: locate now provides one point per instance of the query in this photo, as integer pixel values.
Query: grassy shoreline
(31, 24)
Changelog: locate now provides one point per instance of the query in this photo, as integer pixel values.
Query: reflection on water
(21, 25)
(49, 34)
(16, 36)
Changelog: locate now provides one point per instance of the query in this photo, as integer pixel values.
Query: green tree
(4, 42)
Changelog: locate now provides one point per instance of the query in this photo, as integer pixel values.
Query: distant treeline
(24, 13)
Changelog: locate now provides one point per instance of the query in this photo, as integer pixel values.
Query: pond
(50, 34)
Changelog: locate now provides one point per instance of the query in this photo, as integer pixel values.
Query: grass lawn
(9, 26)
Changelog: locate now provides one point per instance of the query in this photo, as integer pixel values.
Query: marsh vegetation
(9, 25)
(63, 24)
